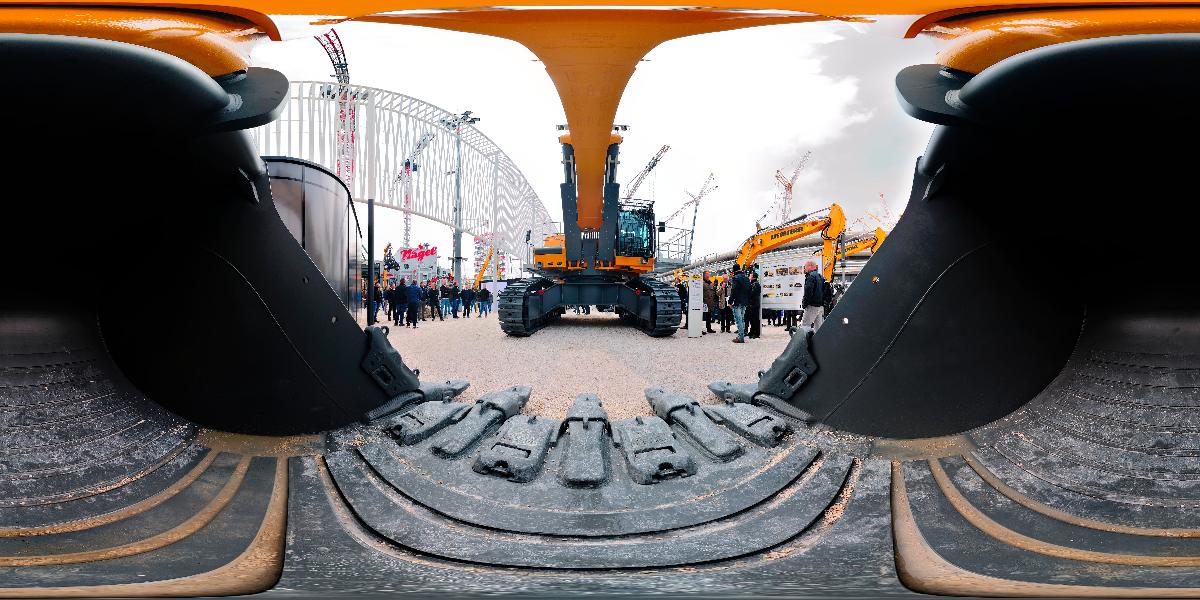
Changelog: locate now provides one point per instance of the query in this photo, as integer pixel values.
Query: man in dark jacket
(444, 290)
(433, 297)
(710, 304)
(455, 298)
(378, 300)
(814, 297)
(485, 301)
(682, 288)
(468, 299)
(739, 300)
(754, 309)
(396, 302)
(413, 295)
(424, 299)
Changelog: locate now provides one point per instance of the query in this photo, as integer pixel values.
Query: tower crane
(637, 181)
(347, 113)
(784, 200)
(705, 190)
(788, 183)
(404, 180)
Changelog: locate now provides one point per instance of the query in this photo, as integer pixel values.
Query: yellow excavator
(863, 244)
(483, 269)
(831, 226)
(607, 245)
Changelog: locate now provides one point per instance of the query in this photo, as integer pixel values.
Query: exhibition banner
(782, 281)
(419, 262)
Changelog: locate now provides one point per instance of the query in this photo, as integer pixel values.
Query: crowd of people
(736, 301)
(733, 302)
(412, 302)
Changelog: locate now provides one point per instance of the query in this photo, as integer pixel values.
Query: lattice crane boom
(347, 121)
(788, 184)
(404, 180)
(784, 200)
(332, 44)
(708, 187)
(680, 245)
(633, 186)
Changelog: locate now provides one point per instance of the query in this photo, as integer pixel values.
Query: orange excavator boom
(829, 226)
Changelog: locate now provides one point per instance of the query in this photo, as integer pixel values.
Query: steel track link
(668, 310)
(511, 309)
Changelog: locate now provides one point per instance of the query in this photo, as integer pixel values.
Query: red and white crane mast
(347, 110)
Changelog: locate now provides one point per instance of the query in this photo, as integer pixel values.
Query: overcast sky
(739, 104)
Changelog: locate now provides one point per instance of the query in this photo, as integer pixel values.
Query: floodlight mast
(455, 125)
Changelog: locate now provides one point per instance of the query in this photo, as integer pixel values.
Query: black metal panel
(316, 207)
(207, 302)
(570, 208)
(271, 349)
(606, 248)
(935, 337)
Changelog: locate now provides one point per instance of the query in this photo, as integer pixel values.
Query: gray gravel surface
(582, 353)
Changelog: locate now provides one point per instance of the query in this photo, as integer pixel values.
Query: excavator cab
(636, 229)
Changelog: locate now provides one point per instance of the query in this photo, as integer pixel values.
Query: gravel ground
(582, 354)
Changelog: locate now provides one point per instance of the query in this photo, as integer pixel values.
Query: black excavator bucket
(1004, 403)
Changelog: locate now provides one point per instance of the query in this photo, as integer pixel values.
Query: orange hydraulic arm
(483, 269)
(871, 243)
(830, 227)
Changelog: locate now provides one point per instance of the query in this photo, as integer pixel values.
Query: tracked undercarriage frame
(529, 304)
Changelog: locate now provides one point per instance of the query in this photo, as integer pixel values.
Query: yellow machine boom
(871, 243)
(483, 269)
(830, 227)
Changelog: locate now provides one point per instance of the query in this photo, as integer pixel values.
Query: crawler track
(667, 312)
(512, 308)
(515, 308)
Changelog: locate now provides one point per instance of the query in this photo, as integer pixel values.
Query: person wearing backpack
(830, 297)
(814, 297)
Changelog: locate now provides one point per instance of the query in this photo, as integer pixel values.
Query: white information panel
(782, 283)
(695, 320)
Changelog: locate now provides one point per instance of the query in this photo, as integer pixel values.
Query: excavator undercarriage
(533, 303)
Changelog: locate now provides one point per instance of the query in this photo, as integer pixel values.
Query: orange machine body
(216, 43)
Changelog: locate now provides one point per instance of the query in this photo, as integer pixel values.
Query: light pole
(456, 125)
(371, 299)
